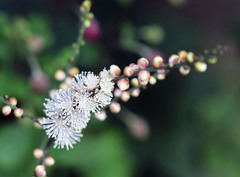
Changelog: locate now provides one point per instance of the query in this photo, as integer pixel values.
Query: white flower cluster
(68, 111)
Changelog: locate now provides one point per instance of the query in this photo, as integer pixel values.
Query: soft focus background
(185, 126)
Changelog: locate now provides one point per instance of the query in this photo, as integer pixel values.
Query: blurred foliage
(194, 120)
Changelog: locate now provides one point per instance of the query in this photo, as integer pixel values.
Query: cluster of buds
(7, 109)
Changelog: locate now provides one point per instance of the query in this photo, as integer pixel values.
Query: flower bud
(6, 110)
(63, 85)
(142, 63)
(212, 60)
(60, 75)
(125, 96)
(73, 71)
(6, 97)
(115, 71)
(87, 4)
(182, 55)
(200, 66)
(128, 71)
(134, 67)
(68, 80)
(161, 74)
(90, 15)
(38, 153)
(190, 57)
(49, 161)
(117, 92)
(101, 115)
(134, 82)
(143, 77)
(115, 107)
(173, 60)
(135, 92)
(152, 80)
(13, 101)
(157, 62)
(40, 170)
(184, 69)
(39, 82)
(93, 33)
(87, 23)
(18, 112)
(123, 84)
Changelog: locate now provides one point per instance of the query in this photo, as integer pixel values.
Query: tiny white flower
(90, 81)
(106, 85)
(103, 98)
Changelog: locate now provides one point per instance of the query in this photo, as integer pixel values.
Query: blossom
(68, 110)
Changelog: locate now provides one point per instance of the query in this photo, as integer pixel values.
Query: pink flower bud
(157, 62)
(13, 101)
(191, 57)
(136, 92)
(142, 63)
(123, 84)
(117, 92)
(115, 71)
(128, 71)
(63, 85)
(134, 67)
(200, 66)
(68, 80)
(161, 74)
(115, 107)
(173, 60)
(40, 170)
(182, 55)
(125, 96)
(93, 33)
(184, 70)
(60, 75)
(101, 115)
(38, 153)
(6, 110)
(49, 161)
(39, 82)
(152, 80)
(143, 77)
(18, 112)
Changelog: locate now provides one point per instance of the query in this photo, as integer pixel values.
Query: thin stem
(14, 107)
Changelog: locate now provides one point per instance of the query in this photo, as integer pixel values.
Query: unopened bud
(68, 80)
(152, 80)
(173, 60)
(212, 60)
(101, 115)
(115, 71)
(38, 153)
(87, 23)
(13, 101)
(135, 92)
(182, 55)
(40, 170)
(117, 92)
(190, 57)
(63, 85)
(128, 71)
(134, 67)
(143, 77)
(161, 74)
(6, 97)
(142, 63)
(6, 110)
(49, 161)
(157, 62)
(123, 84)
(184, 69)
(18, 112)
(125, 96)
(87, 4)
(115, 107)
(73, 71)
(60, 75)
(90, 16)
(200, 66)
(134, 82)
